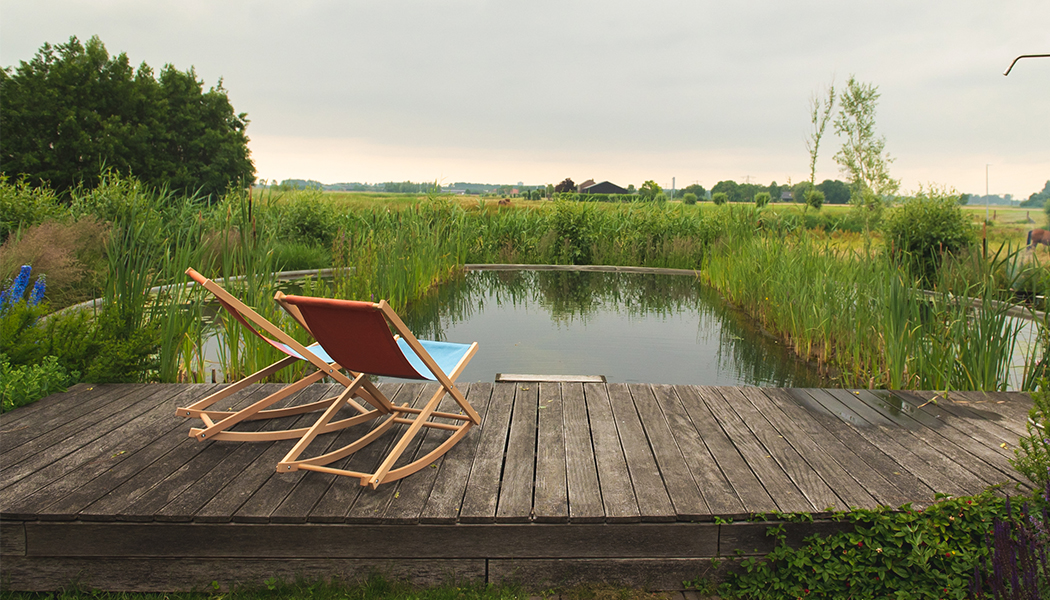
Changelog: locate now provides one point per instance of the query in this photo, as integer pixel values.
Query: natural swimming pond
(629, 327)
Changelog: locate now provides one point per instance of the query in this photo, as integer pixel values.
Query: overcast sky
(502, 92)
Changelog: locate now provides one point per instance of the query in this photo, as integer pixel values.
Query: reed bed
(866, 320)
(857, 314)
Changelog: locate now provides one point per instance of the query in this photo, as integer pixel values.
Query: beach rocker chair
(218, 423)
(358, 336)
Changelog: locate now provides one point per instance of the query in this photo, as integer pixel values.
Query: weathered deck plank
(582, 477)
(546, 452)
(614, 480)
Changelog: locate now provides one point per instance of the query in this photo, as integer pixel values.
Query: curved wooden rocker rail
(358, 335)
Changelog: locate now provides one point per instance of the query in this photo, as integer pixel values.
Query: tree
(719, 198)
(650, 190)
(798, 191)
(762, 199)
(730, 189)
(863, 156)
(74, 111)
(689, 198)
(835, 191)
(566, 186)
(814, 198)
(1038, 198)
(695, 189)
(820, 112)
(630, 189)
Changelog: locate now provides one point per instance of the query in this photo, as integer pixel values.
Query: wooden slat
(716, 491)
(371, 504)
(923, 442)
(253, 494)
(778, 484)
(1012, 406)
(551, 502)
(519, 465)
(413, 492)
(192, 499)
(68, 410)
(336, 503)
(966, 419)
(34, 458)
(887, 441)
(858, 457)
(614, 478)
(446, 497)
(749, 489)
(654, 504)
(276, 487)
(482, 492)
(87, 456)
(644, 540)
(987, 409)
(192, 574)
(115, 469)
(176, 472)
(801, 468)
(990, 467)
(581, 473)
(310, 487)
(685, 496)
(813, 446)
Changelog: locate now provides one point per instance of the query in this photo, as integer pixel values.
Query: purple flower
(14, 294)
(38, 291)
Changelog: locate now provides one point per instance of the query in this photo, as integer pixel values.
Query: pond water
(629, 327)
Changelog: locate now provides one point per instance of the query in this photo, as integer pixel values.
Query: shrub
(762, 199)
(890, 554)
(309, 220)
(814, 198)
(67, 253)
(25, 206)
(921, 230)
(720, 198)
(25, 384)
(689, 198)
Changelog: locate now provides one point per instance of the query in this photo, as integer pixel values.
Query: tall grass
(868, 320)
(856, 314)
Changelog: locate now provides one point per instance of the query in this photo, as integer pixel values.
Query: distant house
(786, 196)
(604, 187)
(584, 185)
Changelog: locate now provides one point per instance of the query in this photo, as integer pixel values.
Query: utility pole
(672, 188)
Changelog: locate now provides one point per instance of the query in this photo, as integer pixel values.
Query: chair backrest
(355, 334)
(238, 309)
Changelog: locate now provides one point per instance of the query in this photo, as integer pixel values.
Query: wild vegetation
(883, 318)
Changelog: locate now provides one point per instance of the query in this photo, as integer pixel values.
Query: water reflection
(629, 327)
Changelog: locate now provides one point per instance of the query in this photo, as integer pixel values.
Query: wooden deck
(563, 482)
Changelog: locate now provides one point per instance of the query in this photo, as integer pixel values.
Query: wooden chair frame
(217, 423)
(415, 418)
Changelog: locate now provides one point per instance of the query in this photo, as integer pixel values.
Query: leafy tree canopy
(835, 191)
(1038, 198)
(693, 188)
(650, 190)
(74, 111)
